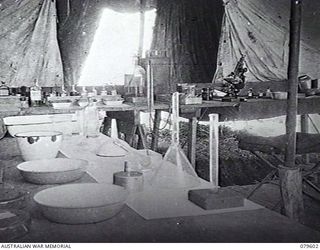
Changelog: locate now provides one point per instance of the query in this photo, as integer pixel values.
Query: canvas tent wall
(29, 49)
(260, 30)
(78, 22)
(188, 29)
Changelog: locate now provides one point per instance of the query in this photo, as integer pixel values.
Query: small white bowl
(61, 105)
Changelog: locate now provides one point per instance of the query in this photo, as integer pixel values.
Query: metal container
(305, 82)
(130, 180)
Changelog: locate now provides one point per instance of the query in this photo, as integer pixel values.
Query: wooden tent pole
(290, 176)
(141, 28)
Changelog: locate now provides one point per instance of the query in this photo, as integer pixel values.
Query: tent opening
(115, 43)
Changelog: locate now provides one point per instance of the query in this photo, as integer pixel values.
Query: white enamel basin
(32, 123)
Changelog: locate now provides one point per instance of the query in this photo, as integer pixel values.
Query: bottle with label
(4, 89)
(73, 91)
(35, 94)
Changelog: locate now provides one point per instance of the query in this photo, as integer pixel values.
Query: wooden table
(260, 225)
(128, 115)
(250, 110)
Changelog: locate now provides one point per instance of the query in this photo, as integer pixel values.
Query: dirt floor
(269, 196)
(243, 171)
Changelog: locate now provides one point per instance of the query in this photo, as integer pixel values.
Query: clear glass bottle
(73, 91)
(4, 89)
(94, 91)
(91, 120)
(84, 91)
(35, 94)
(139, 78)
(113, 90)
(63, 91)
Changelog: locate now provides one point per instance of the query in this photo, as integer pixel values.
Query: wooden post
(141, 28)
(155, 133)
(305, 129)
(193, 122)
(291, 192)
(291, 181)
(214, 149)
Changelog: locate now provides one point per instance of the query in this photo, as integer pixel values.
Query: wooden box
(216, 198)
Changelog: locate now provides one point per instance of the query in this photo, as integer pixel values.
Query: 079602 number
(306, 245)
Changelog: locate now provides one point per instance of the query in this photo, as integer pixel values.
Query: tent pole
(141, 28)
(290, 176)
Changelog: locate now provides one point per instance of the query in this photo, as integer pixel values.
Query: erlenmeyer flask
(175, 171)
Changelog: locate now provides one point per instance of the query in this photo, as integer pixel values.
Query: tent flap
(29, 48)
(259, 29)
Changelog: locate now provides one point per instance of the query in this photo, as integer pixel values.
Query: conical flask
(114, 129)
(175, 170)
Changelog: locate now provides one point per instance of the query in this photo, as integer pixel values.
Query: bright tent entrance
(115, 44)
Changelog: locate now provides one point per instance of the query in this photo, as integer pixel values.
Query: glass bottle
(268, 93)
(104, 91)
(139, 76)
(113, 90)
(250, 93)
(73, 91)
(4, 89)
(63, 91)
(91, 120)
(94, 91)
(35, 94)
(84, 92)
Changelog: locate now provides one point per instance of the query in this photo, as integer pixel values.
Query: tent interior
(50, 40)
(193, 42)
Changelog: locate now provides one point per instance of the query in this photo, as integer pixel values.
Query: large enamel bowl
(39, 144)
(52, 171)
(81, 203)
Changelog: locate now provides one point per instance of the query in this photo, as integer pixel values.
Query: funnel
(114, 129)
(175, 171)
